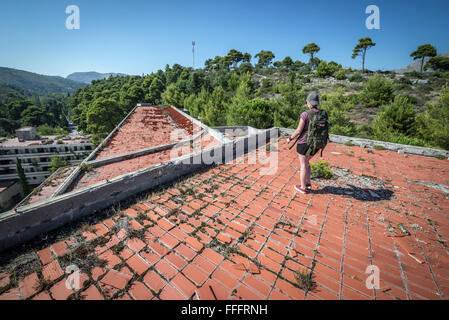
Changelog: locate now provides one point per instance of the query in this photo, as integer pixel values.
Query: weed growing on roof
(361, 159)
(377, 147)
(321, 170)
(173, 212)
(87, 228)
(188, 191)
(118, 247)
(85, 167)
(42, 284)
(349, 144)
(304, 279)
(84, 257)
(139, 234)
(141, 217)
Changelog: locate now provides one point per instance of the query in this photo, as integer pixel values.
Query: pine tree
(22, 178)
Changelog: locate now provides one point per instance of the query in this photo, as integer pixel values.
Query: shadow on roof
(361, 194)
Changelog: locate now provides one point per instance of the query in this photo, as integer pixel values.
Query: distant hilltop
(87, 77)
(416, 65)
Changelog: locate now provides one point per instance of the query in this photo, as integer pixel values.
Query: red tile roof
(230, 233)
(146, 127)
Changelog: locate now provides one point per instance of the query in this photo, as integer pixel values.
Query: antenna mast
(193, 53)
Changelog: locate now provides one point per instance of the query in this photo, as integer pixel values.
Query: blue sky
(137, 37)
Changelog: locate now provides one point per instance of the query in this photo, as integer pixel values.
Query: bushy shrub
(327, 69)
(46, 130)
(214, 112)
(433, 124)
(356, 77)
(337, 106)
(57, 163)
(414, 74)
(173, 96)
(321, 170)
(394, 120)
(377, 91)
(85, 167)
(97, 139)
(257, 113)
(289, 106)
(340, 74)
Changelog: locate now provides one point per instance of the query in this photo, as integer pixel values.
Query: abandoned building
(169, 208)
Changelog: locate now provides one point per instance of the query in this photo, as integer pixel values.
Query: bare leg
(309, 171)
(303, 174)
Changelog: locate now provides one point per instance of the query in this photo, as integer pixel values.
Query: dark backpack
(318, 132)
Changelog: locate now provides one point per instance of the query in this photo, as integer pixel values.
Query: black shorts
(303, 149)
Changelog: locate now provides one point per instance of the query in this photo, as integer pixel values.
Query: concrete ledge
(32, 220)
(366, 143)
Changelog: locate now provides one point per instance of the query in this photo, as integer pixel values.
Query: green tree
(22, 178)
(33, 116)
(433, 124)
(234, 57)
(155, 90)
(395, 119)
(361, 48)
(438, 63)
(289, 106)
(173, 96)
(243, 94)
(377, 91)
(246, 57)
(265, 58)
(103, 115)
(57, 163)
(214, 113)
(287, 62)
(327, 69)
(130, 97)
(196, 103)
(337, 106)
(257, 113)
(312, 49)
(424, 51)
(16, 107)
(340, 74)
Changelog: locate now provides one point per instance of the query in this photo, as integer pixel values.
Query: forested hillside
(19, 108)
(410, 109)
(37, 83)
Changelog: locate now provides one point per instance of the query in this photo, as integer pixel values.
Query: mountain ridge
(88, 77)
(416, 65)
(37, 83)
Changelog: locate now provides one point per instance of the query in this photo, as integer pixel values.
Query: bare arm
(298, 131)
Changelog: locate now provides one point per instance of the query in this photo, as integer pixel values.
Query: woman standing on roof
(313, 135)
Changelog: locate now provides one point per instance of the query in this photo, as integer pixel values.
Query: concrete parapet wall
(366, 143)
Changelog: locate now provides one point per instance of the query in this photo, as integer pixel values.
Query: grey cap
(313, 99)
